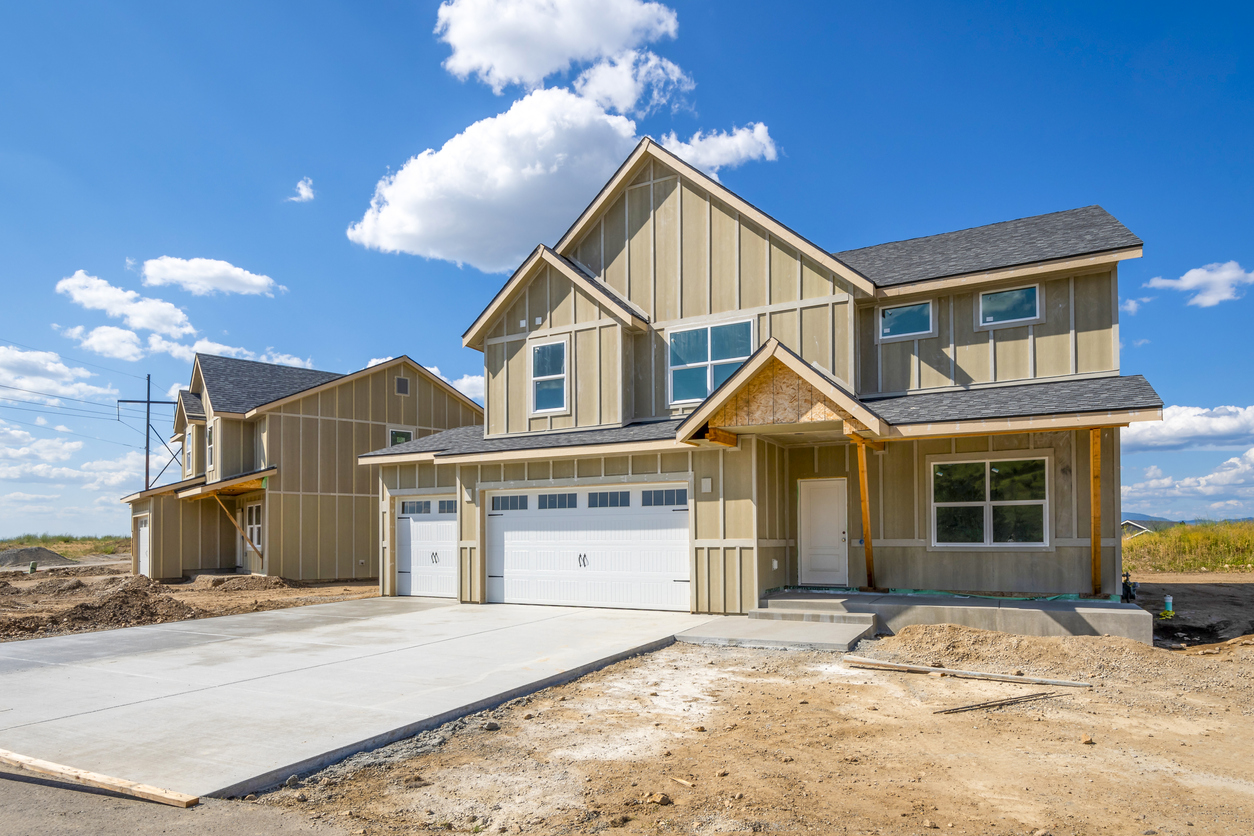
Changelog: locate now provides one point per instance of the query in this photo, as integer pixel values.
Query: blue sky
(155, 148)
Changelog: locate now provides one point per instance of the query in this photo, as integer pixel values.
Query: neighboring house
(270, 482)
(1135, 528)
(689, 405)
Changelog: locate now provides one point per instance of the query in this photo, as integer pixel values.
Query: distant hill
(1139, 517)
(1131, 516)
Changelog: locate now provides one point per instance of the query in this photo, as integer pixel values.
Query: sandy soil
(102, 596)
(710, 740)
(1209, 606)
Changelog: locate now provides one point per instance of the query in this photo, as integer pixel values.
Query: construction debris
(861, 662)
(1043, 695)
(91, 779)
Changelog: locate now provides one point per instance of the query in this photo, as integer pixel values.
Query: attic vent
(402, 386)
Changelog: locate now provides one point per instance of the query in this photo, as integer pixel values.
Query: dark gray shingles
(1101, 394)
(618, 300)
(1074, 232)
(240, 385)
(469, 440)
(192, 406)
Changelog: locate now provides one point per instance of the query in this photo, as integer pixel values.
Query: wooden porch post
(863, 492)
(1095, 506)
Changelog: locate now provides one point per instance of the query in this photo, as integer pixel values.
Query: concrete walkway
(223, 705)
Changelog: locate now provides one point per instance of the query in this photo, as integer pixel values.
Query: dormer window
(209, 447)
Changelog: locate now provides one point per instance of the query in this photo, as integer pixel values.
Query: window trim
(988, 546)
(932, 331)
(393, 428)
(709, 364)
(189, 451)
(532, 380)
(209, 434)
(981, 325)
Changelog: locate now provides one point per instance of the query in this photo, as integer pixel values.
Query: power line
(77, 417)
(80, 435)
(76, 411)
(49, 395)
(72, 359)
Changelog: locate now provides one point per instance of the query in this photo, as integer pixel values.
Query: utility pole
(148, 430)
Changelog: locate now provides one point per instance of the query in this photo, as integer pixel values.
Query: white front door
(823, 513)
(145, 563)
(625, 546)
(252, 527)
(426, 548)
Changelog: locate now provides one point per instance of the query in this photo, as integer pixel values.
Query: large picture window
(990, 503)
(702, 358)
(548, 377)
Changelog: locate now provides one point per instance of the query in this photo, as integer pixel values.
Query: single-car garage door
(620, 547)
(426, 548)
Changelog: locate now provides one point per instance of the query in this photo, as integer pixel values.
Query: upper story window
(416, 507)
(548, 377)
(906, 321)
(1016, 305)
(209, 446)
(702, 358)
(396, 437)
(990, 503)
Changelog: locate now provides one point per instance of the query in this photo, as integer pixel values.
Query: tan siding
(784, 327)
(1011, 353)
(753, 284)
(785, 273)
(589, 250)
(516, 389)
(868, 352)
(642, 385)
(561, 300)
(516, 317)
(815, 281)
(696, 243)
(842, 336)
(723, 258)
(1094, 317)
(494, 368)
(898, 360)
(1053, 336)
(586, 310)
(615, 223)
(816, 338)
(972, 346)
(666, 248)
(640, 247)
(609, 374)
(587, 394)
(934, 363)
(326, 456)
(738, 493)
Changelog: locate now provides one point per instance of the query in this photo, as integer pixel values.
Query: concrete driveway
(223, 705)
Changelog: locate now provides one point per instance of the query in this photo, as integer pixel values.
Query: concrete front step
(776, 634)
(866, 619)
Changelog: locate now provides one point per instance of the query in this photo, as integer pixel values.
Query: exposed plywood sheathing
(777, 395)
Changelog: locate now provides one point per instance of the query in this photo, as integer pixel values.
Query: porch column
(1095, 506)
(863, 493)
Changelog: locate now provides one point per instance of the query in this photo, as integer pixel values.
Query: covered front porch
(1006, 492)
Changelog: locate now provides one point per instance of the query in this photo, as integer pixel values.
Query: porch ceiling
(244, 483)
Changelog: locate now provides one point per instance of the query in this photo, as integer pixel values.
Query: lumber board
(92, 779)
(1095, 507)
(863, 662)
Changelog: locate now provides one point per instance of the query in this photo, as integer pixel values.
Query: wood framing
(93, 779)
(235, 523)
(1095, 507)
(865, 502)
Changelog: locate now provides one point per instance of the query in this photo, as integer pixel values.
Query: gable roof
(190, 403)
(572, 270)
(649, 147)
(1075, 232)
(235, 385)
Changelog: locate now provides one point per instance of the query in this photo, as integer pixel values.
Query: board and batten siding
(1078, 335)
(320, 514)
(184, 536)
(685, 259)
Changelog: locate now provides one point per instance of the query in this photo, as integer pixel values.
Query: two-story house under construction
(690, 406)
(270, 482)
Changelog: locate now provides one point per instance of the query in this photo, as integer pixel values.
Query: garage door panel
(426, 558)
(633, 556)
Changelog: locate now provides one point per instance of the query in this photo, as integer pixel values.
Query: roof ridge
(838, 253)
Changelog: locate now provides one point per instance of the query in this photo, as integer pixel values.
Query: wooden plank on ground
(863, 662)
(91, 779)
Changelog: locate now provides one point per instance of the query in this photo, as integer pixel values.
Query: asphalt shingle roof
(192, 406)
(468, 440)
(1099, 394)
(240, 385)
(1075, 232)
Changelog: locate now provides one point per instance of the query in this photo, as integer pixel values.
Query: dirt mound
(58, 587)
(84, 571)
(37, 554)
(7, 588)
(1080, 657)
(134, 602)
(242, 583)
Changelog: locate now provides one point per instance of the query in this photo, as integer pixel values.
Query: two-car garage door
(625, 546)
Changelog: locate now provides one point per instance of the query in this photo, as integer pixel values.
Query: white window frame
(391, 429)
(1047, 455)
(709, 364)
(981, 325)
(209, 434)
(914, 335)
(189, 451)
(532, 380)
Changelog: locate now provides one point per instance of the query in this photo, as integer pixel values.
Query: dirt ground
(102, 595)
(1209, 606)
(710, 740)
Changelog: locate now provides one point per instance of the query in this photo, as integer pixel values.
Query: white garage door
(620, 547)
(426, 548)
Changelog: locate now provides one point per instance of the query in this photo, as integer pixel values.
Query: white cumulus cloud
(17, 445)
(206, 276)
(1192, 427)
(138, 311)
(375, 361)
(501, 186)
(622, 82)
(716, 149)
(304, 191)
(180, 351)
(470, 385)
(1131, 306)
(506, 42)
(108, 341)
(1209, 285)
(1234, 479)
(43, 377)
